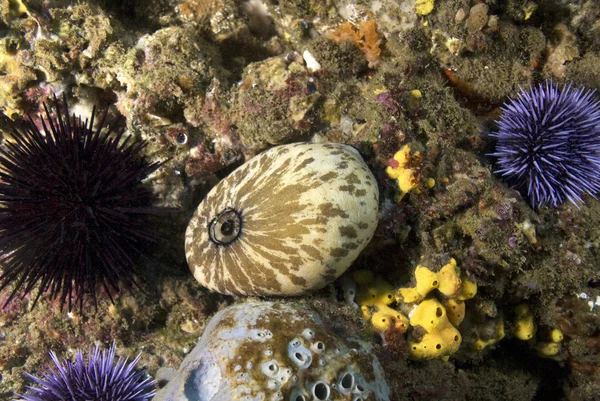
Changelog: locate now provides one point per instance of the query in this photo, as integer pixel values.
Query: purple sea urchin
(549, 144)
(73, 214)
(101, 379)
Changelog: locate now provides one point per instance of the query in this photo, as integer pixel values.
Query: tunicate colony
(275, 351)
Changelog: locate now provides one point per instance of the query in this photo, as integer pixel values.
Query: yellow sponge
(547, 348)
(373, 297)
(401, 171)
(455, 310)
(440, 339)
(424, 7)
(525, 326)
(426, 280)
(550, 348)
(556, 335)
(366, 312)
(376, 292)
(447, 281)
(468, 290)
(386, 318)
(480, 343)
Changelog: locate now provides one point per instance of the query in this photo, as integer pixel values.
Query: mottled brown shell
(289, 220)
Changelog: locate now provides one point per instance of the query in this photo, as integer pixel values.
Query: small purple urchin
(73, 213)
(549, 144)
(101, 379)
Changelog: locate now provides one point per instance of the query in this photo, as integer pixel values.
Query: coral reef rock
(275, 351)
(291, 219)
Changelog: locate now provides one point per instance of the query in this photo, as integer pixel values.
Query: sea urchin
(73, 215)
(548, 144)
(101, 379)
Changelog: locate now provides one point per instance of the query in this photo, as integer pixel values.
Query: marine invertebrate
(484, 337)
(431, 325)
(548, 144)
(73, 215)
(276, 351)
(374, 297)
(433, 336)
(433, 332)
(447, 281)
(406, 168)
(365, 36)
(525, 326)
(424, 7)
(546, 341)
(550, 347)
(100, 379)
(290, 220)
(400, 169)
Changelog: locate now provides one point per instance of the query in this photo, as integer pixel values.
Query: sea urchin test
(289, 220)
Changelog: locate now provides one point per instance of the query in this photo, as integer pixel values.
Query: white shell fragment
(291, 219)
(231, 363)
(311, 62)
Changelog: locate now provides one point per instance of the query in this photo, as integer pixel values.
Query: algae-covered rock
(273, 104)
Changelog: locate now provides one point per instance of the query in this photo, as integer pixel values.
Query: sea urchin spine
(548, 144)
(73, 215)
(101, 379)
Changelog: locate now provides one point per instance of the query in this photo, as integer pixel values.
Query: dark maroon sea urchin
(73, 215)
(548, 144)
(101, 379)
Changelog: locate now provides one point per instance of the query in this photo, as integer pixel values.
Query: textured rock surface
(291, 219)
(275, 351)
